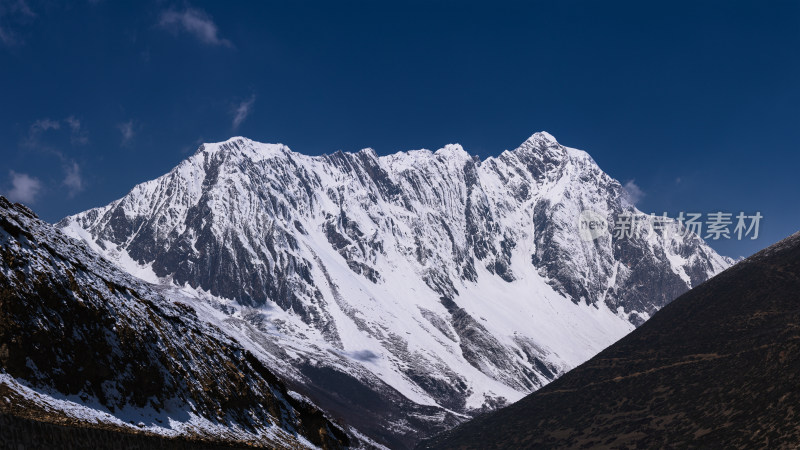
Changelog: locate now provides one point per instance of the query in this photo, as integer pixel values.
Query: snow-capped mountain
(84, 343)
(403, 292)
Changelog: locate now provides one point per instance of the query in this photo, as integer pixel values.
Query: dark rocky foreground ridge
(86, 345)
(19, 433)
(718, 367)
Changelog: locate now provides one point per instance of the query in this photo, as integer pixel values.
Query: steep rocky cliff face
(433, 284)
(82, 342)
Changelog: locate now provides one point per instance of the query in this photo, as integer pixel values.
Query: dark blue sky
(697, 102)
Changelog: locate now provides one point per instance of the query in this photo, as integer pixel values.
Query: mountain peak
(453, 150)
(541, 142)
(542, 136)
(245, 146)
(540, 139)
(232, 141)
(369, 151)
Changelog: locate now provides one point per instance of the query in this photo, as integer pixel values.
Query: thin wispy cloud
(194, 22)
(17, 12)
(633, 192)
(77, 136)
(243, 110)
(74, 124)
(128, 131)
(24, 188)
(44, 125)
(18, 6)
(6, 38)
(73, 180)
(193, 147)
(37, 128)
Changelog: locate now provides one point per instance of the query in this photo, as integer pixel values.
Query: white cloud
(73, 179)
(633, 193)
(24, 188)
(242, 111)
(195, 22)
(128, 131)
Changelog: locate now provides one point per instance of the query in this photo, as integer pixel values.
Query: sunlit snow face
(591, 225)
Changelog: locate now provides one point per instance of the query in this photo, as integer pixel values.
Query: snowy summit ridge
(440, 283)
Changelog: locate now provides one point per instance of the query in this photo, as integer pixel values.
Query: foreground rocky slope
(717, 368)
(428, 286)
(85, 344)
(31, 434)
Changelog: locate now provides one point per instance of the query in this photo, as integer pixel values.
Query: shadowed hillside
(84, 344)
(17, 432)
(719, 366)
